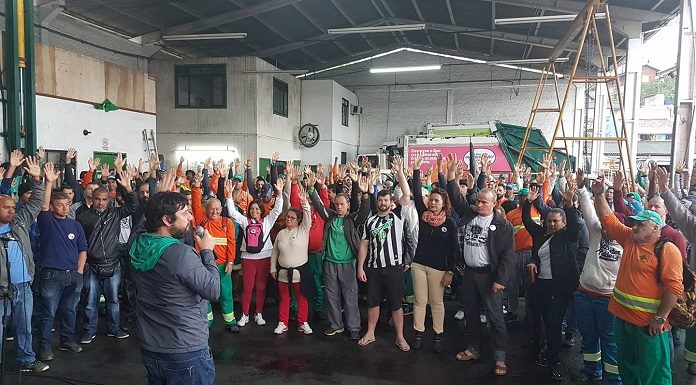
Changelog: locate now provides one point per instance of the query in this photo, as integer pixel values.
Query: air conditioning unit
(356, 110)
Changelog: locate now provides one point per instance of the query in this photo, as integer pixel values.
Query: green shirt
(338, 248)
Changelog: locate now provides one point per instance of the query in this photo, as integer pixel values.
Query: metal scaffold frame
(583, 24)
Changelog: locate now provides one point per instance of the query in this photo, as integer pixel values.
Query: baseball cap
(509, 186)
(634, 195)
(112, 177)
(648, 215)
(523, 192)
(238, 178)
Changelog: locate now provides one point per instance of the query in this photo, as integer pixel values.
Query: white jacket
(604, 256)
(268, 223)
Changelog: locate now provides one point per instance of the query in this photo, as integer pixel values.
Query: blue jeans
(93, 286)
(60, 290)
(194, 368)
(21, 309)
(596, 327)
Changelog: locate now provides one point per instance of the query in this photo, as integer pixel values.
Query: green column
(29, 78)
(13, 118)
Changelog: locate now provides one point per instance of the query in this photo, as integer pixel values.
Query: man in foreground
(174, 283)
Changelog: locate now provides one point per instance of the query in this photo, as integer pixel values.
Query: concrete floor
(257, 356)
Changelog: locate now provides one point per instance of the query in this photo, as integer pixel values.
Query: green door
(106, 158)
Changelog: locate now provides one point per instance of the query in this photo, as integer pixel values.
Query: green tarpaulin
(511, 138)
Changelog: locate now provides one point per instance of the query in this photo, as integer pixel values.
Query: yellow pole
(20, 34)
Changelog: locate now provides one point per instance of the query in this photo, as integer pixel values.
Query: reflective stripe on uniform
(220, 241)
(517, 228)
(229, 318)
(634, 302)
(609, 368)
(210, 316)
(592, 357)
(689, 356)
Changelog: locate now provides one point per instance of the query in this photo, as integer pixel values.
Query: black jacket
(583, 236)
(102, 230)
(501, 244)
(564, 248)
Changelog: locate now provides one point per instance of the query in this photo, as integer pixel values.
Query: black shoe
(70, 347)
(332, 331)
(354, 335)
(36, 367)
(232, 328)
(556, 373)
(417, 343)
(541, 362)
(511, 318)
(319, 316)
(581, 375)
(293, 316)
(438, 343)
(46, 354)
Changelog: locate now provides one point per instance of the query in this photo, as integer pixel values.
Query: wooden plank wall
(69, 75)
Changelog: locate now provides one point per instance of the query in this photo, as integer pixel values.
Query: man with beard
(174, 283)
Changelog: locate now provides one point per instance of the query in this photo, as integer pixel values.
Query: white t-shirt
(475, 248)
(545, 258)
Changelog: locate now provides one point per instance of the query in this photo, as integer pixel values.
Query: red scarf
(434, 220)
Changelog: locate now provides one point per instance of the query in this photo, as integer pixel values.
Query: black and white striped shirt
(386, 240)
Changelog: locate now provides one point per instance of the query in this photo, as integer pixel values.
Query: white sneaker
(280, 329)
(243, 321)
(258, 318)
(459, 315)
(304, 328)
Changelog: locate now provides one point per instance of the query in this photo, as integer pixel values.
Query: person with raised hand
(256, 251)
(64, 250)
(342, 239)
(14, 223)
(434, 260)
(646, 290)
(486, 241)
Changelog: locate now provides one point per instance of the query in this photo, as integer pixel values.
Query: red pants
(284, 306)
(255, 273)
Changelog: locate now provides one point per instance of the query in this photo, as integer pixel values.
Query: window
(201, 86)
(344, 156)
(345, 106)
(280, 98)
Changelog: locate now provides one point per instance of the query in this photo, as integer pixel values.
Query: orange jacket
(523, 241)
(221, 229)
(637, 294)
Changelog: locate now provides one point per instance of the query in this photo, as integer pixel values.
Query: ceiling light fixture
(527, 61)
(381, 28)
(292, 72)
(543, 19)
(206, 36)
(404, 69)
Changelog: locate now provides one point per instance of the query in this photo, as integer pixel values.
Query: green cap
(648, 215)
(239, 178)
(634, 195)
(523, 192)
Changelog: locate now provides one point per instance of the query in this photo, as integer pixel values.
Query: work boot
(418, 341)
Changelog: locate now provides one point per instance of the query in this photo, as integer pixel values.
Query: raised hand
(133, 172)
(249, 158)
(105, 170)
(50, 173)
(229, 186)
(580, 180)
(70, 155)
(16, 158)
(485, 164)
(124, 180)
(41, 153)
(166, 182)
(398, 164)
(365, 163)
(618, 181)
(533, 194)
(302, 195)
(154, 164)
(140, 164)
(181, 160)
(662, 179)
(417, 162)
(680, 167)
(280, 183)
(118, 162)
(364, 185)
(311, 179)
(562, 169)
(598, 185)
(321, 177)
(568, 194)
(274, 157)
(353, 172)
(32, 168)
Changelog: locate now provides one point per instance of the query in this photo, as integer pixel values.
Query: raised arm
(398, 167)
(684, 219)
(534, 229)
(459, 203)
(51, 175)
(36, 200)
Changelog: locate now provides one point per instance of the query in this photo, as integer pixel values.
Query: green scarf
(147, 250)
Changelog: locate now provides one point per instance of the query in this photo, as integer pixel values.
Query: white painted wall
(321, 105)
(60, 124)
(403, 103)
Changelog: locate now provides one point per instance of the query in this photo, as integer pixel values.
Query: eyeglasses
(291, 218)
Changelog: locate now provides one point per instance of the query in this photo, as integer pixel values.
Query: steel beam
(451, 16)
(214, 21)
(352, 22)
(573, 7)
(573, 30)
(683, 129)
(48, 10)
(420, 17)
(317, 24)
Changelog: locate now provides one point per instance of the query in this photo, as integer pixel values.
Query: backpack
(683, 314)
(254, 238)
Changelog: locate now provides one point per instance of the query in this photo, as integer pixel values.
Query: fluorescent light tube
(292, 72)
(206, 36)
(542, 19)
(404, 69)
(381, 28)
(527, 61)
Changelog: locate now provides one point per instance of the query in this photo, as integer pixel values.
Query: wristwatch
(660, 319)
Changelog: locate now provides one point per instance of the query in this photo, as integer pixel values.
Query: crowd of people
(595, 258)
